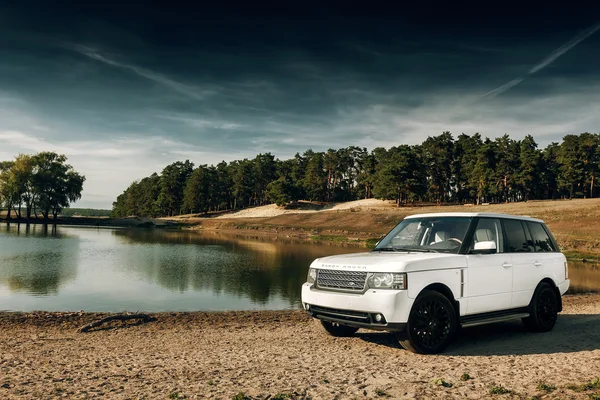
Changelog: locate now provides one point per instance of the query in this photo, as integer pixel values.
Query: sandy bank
(218, 355)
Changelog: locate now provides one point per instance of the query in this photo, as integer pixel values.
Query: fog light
(378, 317)
(306, 307)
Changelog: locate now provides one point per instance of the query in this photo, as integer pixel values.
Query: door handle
(537, 264)
(507, 265)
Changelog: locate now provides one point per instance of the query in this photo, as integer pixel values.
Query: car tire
(543, 309)
(338, 330)
(431, 324)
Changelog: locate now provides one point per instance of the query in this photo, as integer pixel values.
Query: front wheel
(431, 324)
(543, 309)
(335, 329)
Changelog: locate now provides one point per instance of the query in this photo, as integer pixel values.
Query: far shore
(364, 222)
(287, 355)
(132, 222)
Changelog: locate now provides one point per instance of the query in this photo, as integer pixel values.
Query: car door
(548, 261)
(489, 276)
(526, 262)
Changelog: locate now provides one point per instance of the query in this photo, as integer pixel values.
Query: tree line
(84, 212)
(442, 169)
(41, 182)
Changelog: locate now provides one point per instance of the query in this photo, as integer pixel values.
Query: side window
(515, 236)
(488, 229)
(540, 237)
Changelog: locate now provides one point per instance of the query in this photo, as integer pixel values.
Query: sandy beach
(285, 354)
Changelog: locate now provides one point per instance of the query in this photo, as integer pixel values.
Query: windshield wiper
(417, 249)
(385, 249)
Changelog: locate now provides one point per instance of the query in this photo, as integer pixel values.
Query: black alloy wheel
(431, 324)
(543, 309)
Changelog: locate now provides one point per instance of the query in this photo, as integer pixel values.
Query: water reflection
(585, 277)
(99, 269)
(40, 264)
(256, 268)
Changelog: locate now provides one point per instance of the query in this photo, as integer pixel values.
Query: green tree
(172, 183)
(263, 174)
(280, 191)
(571, 172)
(550, 170)
(400, 175)
(56, 183)
(8, 191)
(530, 168)
(437, 155)
(242, 174)
(505, 168)
(197, 191)
(589, 151)
(315, 177)
(366, 175)
(465, 151)
(482, 175)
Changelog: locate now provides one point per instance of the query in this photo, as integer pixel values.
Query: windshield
(432, 234)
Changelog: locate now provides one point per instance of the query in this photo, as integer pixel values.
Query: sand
(272, 210)
(265, 354)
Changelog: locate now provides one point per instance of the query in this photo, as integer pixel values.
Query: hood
(390, 261)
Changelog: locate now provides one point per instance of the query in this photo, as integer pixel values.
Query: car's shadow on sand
(572, 333)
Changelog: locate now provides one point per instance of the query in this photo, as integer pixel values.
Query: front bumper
(359, 309)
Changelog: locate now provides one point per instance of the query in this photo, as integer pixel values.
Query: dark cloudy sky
(124, 88)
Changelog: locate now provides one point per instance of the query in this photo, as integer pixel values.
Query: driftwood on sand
(118, 317)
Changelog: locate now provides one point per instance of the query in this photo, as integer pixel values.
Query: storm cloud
(124, 89)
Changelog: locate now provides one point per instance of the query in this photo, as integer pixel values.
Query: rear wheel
(543, 309)
(335, 329)
(431, 324)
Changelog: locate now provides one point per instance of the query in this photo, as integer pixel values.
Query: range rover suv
(435, 273)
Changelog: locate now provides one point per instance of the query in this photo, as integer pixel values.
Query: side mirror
(486, 247)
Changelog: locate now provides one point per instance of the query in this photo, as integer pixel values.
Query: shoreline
(363, 222)
(265, 354)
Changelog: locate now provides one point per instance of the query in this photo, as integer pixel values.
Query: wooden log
(118, 317)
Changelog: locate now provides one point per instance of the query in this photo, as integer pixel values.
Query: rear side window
(540, 237)
(515, 237)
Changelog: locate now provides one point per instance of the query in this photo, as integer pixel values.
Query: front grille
(343, 280)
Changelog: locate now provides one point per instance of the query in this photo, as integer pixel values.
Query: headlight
(388, 280)
(312, 275)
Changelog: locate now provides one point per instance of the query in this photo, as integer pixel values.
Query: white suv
(434, 273)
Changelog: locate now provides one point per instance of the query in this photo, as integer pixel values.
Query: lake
(97, 269)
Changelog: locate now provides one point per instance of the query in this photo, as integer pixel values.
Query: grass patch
(381, 393)
(241, 396)
(371, 243)
(465, 377)
(497, 389)
(592, 385)
(174, 395)
(546, 387)
(329, 238)
(282, 396)
(442, 382)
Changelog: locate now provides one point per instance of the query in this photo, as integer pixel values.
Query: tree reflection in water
(256, 268)
(40, 265)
